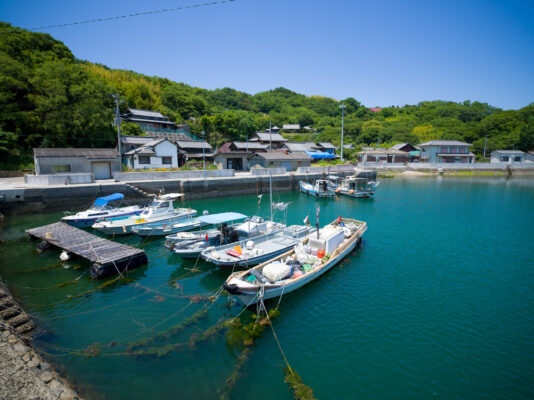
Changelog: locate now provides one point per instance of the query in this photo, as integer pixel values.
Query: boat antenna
(318, 208)
(271, 191)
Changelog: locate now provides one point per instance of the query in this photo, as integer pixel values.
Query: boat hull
(251, 261)
(357, 194)
(314, 193)
(251, 297)
(164, 231)
(89, 221)
(126, 228)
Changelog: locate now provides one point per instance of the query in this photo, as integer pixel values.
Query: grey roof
(145, 113)
(156, 121)
(326, 145)
(200, 155)
(143, 151)
(398, 146)
(383, 152)
(508, 151)
(266, 136)
(250, 146)
(455, 154)
(301, 146)
(192, 144)
(291, 126)
(444, 143)
(173, 137)
(136, 139)
(148, 147)
(73, 152)
(283, 156)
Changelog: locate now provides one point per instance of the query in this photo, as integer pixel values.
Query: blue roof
(221, 217)
(102, 201)
(320, 154)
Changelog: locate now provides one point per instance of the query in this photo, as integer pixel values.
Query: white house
(507, 156)
(157, 153)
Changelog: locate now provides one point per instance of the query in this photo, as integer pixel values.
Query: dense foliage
(48, 98)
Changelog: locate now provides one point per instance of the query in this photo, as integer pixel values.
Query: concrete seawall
(77, 197)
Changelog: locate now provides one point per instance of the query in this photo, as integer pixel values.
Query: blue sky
(381, 53)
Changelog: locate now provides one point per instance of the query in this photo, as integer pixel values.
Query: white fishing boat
(354, 186)
(209, 235)
(99, 210)
(163, 229)
(299, 266)
(257, 250)
(160, 210)
(251, 228)
(318, 189)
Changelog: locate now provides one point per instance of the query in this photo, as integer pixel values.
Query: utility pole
(485, 141)
(118, 122)
(203, 157)
(270, 137)
(342, 106)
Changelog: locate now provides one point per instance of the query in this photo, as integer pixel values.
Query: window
(444, 149)
(517, 159)
(61, 168)
(144, 159)
(166, 160)
(505, 158)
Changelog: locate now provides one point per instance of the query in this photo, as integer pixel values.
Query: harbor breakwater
(71, 197)
(24, 373)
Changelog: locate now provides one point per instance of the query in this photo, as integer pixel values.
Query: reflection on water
(436, 303)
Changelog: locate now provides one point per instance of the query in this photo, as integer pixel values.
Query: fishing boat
(99, 210)
(214, 221)
(299, 266)
(253, 227)
(318, 189)
(160, 211)
(159, 229)
(355, 186)
(255, 251)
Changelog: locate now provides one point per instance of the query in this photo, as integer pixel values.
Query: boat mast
(271, 192)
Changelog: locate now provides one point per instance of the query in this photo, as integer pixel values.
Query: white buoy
(64, 256)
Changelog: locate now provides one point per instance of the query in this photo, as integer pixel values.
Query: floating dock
(108, 257)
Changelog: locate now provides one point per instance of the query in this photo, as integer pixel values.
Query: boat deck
(91, 247)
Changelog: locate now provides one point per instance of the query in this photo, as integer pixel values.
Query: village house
(327, 147)
(529, 157)
(273, 159)
(152, 121)
(155, 153)
(446, 151)
(272, 139)
(300, 146)
(102, 163)
(195, 150)
(380, 155)
(234, 155)
(411, 150)
(291, 127)
(507, 156)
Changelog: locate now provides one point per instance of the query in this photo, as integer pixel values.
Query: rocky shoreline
(24, 374)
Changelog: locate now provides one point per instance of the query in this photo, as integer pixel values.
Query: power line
(91, 21)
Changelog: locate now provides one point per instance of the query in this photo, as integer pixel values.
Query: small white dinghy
(299, 266)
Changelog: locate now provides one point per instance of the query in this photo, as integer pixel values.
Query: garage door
(101, 170)
(286, 165)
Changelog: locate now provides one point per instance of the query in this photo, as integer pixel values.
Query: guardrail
(59, 179)
(326, 170)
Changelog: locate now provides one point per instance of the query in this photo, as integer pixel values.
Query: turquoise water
(438, 303)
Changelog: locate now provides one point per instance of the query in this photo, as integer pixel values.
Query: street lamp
(342, 106)
(485, 141)
(203, 156)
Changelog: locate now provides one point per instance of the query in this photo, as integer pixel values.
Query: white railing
(163, 175)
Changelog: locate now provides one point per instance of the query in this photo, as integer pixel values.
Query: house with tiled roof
(285, 159)
(446, 151)
(275, 140)
(234, 155)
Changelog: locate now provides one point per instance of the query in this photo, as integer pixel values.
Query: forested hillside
(48, 98)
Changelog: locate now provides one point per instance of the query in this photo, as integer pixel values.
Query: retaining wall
(58, 179)
(267, 171)
(167, 175)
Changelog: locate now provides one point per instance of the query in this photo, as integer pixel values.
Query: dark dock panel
(109, 257)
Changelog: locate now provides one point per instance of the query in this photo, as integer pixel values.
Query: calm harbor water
(438, 303)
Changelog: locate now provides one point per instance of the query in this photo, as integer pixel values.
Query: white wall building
(507, 156)
(157, 153)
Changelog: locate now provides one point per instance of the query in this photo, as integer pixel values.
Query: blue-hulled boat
(99, 210)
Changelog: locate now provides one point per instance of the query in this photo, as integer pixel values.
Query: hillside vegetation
(48, 98)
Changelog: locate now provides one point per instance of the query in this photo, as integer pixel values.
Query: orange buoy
(320, 253)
